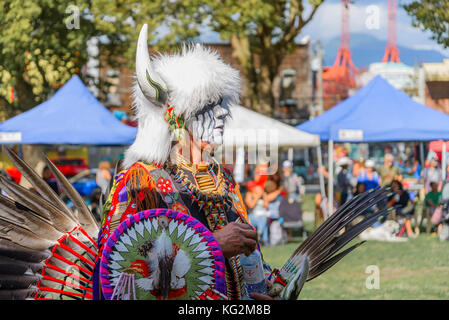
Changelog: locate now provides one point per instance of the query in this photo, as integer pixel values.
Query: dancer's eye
(215, 103)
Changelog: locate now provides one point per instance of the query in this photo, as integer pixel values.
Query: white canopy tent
(259, 133)
(248, 127)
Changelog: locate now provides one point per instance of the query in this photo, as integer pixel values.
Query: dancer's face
(208, 124)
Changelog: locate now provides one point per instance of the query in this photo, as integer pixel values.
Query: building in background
(437, 85)
(398, 74)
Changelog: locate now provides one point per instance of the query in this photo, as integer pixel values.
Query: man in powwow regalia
(182, 102)
(174, 225)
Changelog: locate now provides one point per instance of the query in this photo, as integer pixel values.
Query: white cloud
(327, 24)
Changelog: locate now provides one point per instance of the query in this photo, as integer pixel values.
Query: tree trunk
(32, 155)
(265, 94)
(259, 77)
(24, 95)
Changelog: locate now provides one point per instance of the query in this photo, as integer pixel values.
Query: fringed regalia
(206, 192)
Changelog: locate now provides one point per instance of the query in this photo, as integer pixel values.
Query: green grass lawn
(416, 269)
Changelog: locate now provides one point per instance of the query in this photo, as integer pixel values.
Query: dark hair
(398, 183)
(271, 185)
(360, 184)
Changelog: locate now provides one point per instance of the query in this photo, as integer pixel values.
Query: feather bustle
(20, 294)
(17, 267)
(38, 183)
(328, 236)
(23, 236)
(59, 218)
(15, 251)
(27, 218)
(86, 219)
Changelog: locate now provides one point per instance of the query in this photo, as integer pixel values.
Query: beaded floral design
(164, 185)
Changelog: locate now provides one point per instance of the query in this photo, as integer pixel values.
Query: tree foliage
(39, 52)
(43, 43)
(262, 33)
(431, 15)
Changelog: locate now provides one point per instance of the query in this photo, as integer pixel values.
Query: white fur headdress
(187, 81)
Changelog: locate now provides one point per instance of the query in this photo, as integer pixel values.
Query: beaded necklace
(210, 190)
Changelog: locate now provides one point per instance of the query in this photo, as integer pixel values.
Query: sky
(323, 26)
(326, 24)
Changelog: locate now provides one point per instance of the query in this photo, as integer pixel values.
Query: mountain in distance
(367, 49)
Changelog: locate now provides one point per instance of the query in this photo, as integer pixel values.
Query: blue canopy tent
(378, 113)
(71, 116)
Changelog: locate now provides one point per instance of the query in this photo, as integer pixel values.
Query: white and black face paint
(208, 124)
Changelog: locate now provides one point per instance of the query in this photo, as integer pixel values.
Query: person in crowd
(416, 170)
(369, 177)
(403, 204)
(359, 189)
(432, 203)
(293, 184)
(388, 171)
(322, 207)
(103, 175)
(344, 180)
(272, 198)
(432, 174)
(257, 212)
(319, 216)
(358, 167)
(93, 201)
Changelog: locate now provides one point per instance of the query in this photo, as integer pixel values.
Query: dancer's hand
(236, 238)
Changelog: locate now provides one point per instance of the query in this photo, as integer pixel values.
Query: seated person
(359, 189)
(369, 177)
(322, 207)
(432, 202)
(272, 199)
(319, 216)
(292, 183)
(403, 204)
(257, 213)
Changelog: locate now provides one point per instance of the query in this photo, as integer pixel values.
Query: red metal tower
(339, 78)
(391, 51)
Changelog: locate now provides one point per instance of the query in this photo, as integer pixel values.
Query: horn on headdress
(151, 84)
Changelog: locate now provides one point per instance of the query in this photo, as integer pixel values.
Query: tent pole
(443, 161)
(421, 154)
(320, 165)
(290, 154)
(330, 186)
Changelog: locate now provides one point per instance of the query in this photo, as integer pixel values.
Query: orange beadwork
(179, 207)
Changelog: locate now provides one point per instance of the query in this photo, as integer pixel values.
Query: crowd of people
(355, 177)
(273, 202)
